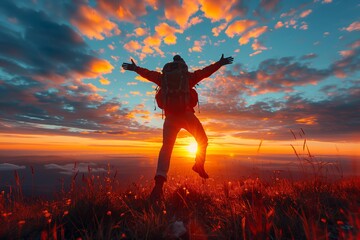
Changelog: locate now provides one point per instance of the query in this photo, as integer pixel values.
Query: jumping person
(177, 98)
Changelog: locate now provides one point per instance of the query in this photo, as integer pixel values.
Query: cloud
(198, 44)
(253, 33)
(217, 30)
(132, 46)
(123, 10)
(180, 12)
(279, 24)
(272, 75)
(308, 56)
(239, 27)
(104, 81)
(223, 10)
(10, 167)
(140, 31)
(194, 21)
(92, 24)
(349, 63)
(167, 33)
(355, 26)
(269, 5)
(71, 169)
(258, 46)
(43, 65)
(305, 13)
(273, 118)
(45, 49)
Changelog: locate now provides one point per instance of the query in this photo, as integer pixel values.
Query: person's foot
(200, 170)
(156, 194)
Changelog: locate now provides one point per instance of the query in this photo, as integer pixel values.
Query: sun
(192, 147)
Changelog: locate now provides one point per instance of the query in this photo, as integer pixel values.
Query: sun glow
(192, 147)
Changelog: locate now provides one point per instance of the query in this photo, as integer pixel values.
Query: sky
(295, 74)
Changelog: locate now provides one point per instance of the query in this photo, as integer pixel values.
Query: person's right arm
(152, 76)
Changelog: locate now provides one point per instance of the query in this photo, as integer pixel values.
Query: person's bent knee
(203, 143)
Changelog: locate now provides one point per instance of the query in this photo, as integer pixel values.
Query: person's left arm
(199, 75)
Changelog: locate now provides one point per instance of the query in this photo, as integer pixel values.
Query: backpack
(175, 94)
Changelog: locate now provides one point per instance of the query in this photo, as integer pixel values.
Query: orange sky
(38, 144)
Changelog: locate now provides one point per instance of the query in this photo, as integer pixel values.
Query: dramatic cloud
(123, 10)
(238, 27)
(253, 33)
(273, 119)
(222, 10)
(92, 24)
(43, 65)
(180, 13)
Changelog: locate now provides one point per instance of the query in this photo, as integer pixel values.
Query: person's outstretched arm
(152, 76)
(199, 75)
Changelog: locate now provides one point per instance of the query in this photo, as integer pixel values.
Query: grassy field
(97, 207)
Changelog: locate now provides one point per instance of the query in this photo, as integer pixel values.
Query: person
(175, 120)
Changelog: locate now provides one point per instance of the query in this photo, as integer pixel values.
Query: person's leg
(170, 131)
(196, 129)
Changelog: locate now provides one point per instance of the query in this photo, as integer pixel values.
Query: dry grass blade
(297, 155)
(308, 151)
(293, 134)
(304, 144)
(302, 130)
(258, 150)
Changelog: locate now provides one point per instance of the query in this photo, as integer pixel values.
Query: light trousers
(172, 125)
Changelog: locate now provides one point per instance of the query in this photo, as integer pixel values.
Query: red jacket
(194, 77)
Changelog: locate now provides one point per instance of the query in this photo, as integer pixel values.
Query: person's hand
(129, 66)
(224, 61)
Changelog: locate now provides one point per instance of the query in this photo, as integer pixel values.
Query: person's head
(178, 58)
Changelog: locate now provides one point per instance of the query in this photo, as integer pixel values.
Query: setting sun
(192, 147)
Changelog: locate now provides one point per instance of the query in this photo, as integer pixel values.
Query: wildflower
(108, 213)
(323, 220)
(66, 213)
(46, 214)
(122, 214)
(21, 222)
(164, 212)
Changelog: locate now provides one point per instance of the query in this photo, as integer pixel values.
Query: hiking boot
(199, 168)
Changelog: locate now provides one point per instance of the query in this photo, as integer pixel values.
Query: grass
(97, 208)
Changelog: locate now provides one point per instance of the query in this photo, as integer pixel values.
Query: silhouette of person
(175, 121)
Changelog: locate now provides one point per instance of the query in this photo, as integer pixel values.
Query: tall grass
(96, 207)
